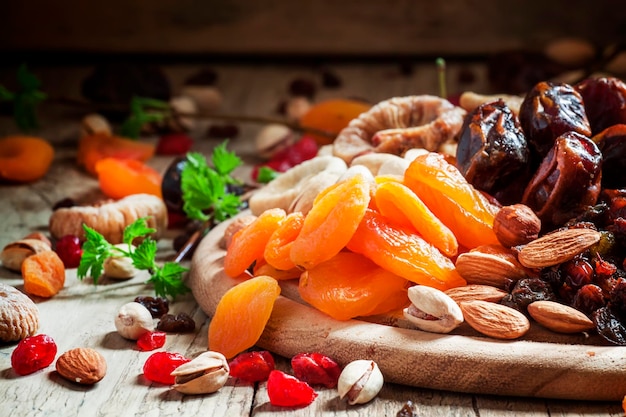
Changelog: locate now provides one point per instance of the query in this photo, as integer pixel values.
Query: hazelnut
(515, 225)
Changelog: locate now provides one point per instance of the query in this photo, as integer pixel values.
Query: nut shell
(84, 366)
(14, 253)
(19, 316)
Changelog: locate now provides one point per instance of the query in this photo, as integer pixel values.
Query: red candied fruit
(252, 366)
(159, 366)
(286, 390)
(33, 353)
(316, 369)
(174, 144)
(151, 341)
(70, 250)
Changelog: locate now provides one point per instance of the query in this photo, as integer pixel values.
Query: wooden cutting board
(544, 364)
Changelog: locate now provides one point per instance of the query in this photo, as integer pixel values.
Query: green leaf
(167, 280)
(267, 174)
(224, 161)
(139, 228)
(144, 111)
(226, 207)
(143, 256)
(96, 250)
(6, 95)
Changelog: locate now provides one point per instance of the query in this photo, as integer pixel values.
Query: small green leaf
(224, 161)
(267, 174)
(167, 280)
(96, 250)
(143, 256)
(139, 228)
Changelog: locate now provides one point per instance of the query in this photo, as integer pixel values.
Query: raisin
(526, 291)
(157, 306)
(302, 87)
(252, 366)
(223, 131)
(179, 323)
(407, 410)
(577, 272)
(64, 203)
(33, 353)
(588, 299)
(316, 369)
(159, 366)
(609, 326)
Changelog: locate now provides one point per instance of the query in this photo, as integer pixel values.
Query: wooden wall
(304, 27)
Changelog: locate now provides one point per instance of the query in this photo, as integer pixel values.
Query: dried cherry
(33, 353)
(316, 369)
(179, 323)
(492, 149)
(69, 249)
(252, 366)
(605, 101)
(151, 341)
(288, 391)
(548, 111)
(567, 182)
(157, 306)
(159, 366)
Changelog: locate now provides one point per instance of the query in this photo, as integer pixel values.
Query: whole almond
(82, 365)
(495, 320)
(19, 315)
(476, 292)
(559, 317)
(557, 247)
(490, 265)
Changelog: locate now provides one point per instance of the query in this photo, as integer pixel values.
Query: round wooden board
(454, 362)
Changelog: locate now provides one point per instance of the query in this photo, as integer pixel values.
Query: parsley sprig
(144, 111)
(166, 279)
(25, 99)
(205, 188)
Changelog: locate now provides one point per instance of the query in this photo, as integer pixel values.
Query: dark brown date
(567, 181)
(605, 101)
(492, 148)
(612, 144)
(548, 111)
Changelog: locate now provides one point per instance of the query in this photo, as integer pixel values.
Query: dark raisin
(588, 299)
(302, 87)
(330, 79)
(64, 203)
(407, 410)
(609, 326)
(526, 291)
(225, 131)
(179, 323)
(157, 306)
(204, 77)
(577, 272)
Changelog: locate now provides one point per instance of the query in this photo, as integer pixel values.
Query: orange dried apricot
(24, 158)
(92, 148)
(403, 252)
(263, 268)
(119, 178)
(248, 244)
(350, 285)
(332, 116)
(44, 274)
(399, 203)
(331, 222)
(241, 315)
(461, 207)
(279, 245)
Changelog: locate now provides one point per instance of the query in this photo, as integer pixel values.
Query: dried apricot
(119, 178)
(241, 315)
(24, 158)
(261, 267)
(44, 274)
(331, 222)
(279, 245)
(400, 204)
(332, 116)
(248, 244)
(350, 285)
(403, 252)
(462, 208)
(92, 148)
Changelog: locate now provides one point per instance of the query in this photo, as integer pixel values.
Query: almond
(476, 292)
(559, 317)
(19, 315)
(490, 265)
(495, 320)
(557, 247)
(82, 365)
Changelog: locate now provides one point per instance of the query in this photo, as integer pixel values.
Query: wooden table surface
(82, 315)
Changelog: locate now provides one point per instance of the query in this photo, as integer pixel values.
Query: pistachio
(14, 253)
(557, 247)
(120, 267)
(490, 265)
(432, 310)
(559, 317)
(205, 374)
(360, 381)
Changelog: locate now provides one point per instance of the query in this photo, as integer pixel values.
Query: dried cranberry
(180, 323)
(157, 306)
(577, 272)
(69, 250)
(288, 391)
(316, 369)
(174, 144)
(160, 365)
(33, 353)
(252, 366)
(151, 340)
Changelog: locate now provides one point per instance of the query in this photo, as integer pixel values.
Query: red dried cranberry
(288, 391)
(160, 365)
(252, 366)
(151, 340)
(69, 250)
(174, 144)
(316, 369)
(179, 323)
(157, 306)
(33, 353)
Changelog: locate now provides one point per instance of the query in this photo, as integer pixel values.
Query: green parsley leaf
(143, 256)
(224, 161)
(137, 229)
(96, 250)
(267, 174)
(144, 111)
(25, 100)
(168, 280)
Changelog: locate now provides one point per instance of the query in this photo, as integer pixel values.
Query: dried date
(605, 101)
(612, 143)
